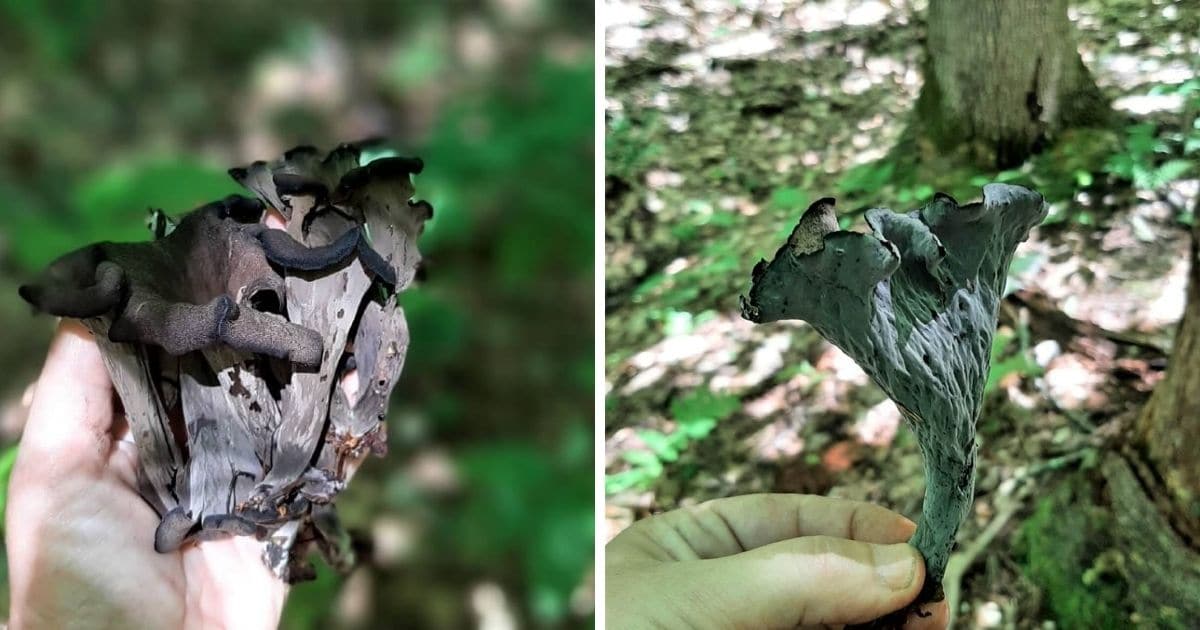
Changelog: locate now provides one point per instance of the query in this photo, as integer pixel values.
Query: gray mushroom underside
(380, 346)
(149, 424)
(915, 304)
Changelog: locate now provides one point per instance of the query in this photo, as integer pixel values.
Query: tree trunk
(1167, 435)
(1153, 484)
(1123, 545)
(1002, 78)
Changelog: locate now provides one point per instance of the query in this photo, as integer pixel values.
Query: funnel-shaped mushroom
(238, 336)
(915, 304)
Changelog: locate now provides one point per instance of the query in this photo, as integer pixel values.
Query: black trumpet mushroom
(254, 344)
(915, 304)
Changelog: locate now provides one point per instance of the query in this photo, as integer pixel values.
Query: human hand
(765, 561)
(80, 539)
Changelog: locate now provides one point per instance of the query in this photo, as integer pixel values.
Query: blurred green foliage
(107, 111)
(1061, 547)
(695, 414)
(1011, 354)
(1144, 154)
(113, 203)
(519, 511)
(7, 458)
(630, 147)
(1137, 163)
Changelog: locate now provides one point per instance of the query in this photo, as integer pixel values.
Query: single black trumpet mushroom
(915, 304)
(255, 364)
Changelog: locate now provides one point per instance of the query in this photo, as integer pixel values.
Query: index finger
(723, 527)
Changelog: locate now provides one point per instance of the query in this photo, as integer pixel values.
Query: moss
(1064, 549)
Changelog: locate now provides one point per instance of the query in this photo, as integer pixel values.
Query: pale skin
(765, 561)
(80, 540)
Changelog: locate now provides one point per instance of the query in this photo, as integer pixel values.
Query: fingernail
(896, 565)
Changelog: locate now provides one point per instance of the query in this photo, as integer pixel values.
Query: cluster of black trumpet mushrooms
(254, 344)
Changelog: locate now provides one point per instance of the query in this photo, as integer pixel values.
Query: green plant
(534, 505)
(1139, 161)
(7, 459)
(629, 147)
(112, 205)
(696, 414)
(867, 178)
(1060, 549)
(788, 199)
(1006, 360)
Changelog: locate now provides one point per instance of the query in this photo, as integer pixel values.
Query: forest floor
(724, 120)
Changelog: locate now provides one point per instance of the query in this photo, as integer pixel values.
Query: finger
(724, 527)
(259, 595)
(805, 581)
(72, 408)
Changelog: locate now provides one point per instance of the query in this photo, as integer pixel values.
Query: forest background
(482, 512)
(724, 120)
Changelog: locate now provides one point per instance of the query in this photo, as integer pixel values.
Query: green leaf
(788, 198)
(699, 428)
(648, 285)
(1009, 175)
(310, 602)
(677, 323)
(704, 403)
(642, 459)
(1171, 170)
(112, 205)
(660, 444)
(699, 411)
(419, 62)
(1003, 364)
(1140, 140)
(444, 323)
(527, 503)
(120, 194)
(627, 479)
(867, 178)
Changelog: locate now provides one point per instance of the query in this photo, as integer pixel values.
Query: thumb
(71, 412)
(814, 580)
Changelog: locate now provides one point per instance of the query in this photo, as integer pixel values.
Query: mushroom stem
(945, 507)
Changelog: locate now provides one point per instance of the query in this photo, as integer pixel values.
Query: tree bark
(1002, 78)
(1153, 485)
(1123, 545)
(1167, 434)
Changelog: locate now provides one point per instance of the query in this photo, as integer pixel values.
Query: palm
(80, 539)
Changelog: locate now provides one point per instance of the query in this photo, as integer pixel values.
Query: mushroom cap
(913, 302)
